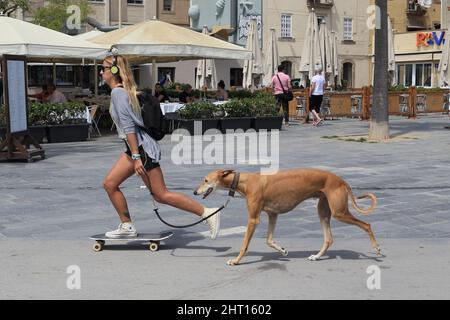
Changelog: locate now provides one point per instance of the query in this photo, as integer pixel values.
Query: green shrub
(198, 110)
(56, 113)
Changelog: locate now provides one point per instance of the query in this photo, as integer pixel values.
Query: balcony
(320, 3)
(413, 8)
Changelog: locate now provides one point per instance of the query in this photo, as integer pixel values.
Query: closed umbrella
(206, 71)
(272, 59)
(325, 49)
(334, 58)
(311, 58)
(444, 71)
(253, 68)
(391, 54)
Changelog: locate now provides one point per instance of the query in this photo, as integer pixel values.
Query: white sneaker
(213, 221)
(125, 230)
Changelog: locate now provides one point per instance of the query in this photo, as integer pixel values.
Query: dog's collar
(234, 184)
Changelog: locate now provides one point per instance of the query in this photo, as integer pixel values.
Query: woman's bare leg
(122, 170)
(174, 199)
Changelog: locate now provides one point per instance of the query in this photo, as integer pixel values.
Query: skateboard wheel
(153, 246)
(98, 246)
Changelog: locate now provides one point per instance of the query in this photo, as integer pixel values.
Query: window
(348, 74)
(167, 5)
(39, 75)
(97, 1)
(236, 76)
(286, 26)
(348, 29)
(321, 19)
(166, 75)
(287, 66)
(414, 74)
(65, 76)
(135, 1)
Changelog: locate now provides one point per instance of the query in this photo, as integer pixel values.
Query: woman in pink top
(281, 83)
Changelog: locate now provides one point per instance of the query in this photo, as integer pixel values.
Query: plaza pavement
(49, 208)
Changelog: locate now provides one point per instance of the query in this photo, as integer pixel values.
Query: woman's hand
(139, 167)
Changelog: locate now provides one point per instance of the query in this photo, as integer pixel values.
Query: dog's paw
(232, 262)
(313, 257)
(378, 251)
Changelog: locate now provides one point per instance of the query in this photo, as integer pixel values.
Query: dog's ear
(224, 173)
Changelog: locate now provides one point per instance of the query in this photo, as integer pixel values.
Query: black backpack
(154, 121)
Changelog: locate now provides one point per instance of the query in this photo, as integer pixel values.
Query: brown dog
(282, 192)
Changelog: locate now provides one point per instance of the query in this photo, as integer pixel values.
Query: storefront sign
(426, 39)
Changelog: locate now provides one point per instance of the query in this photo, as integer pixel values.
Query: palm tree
(379, 121)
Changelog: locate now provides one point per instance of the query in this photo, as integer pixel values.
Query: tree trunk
(379, 121)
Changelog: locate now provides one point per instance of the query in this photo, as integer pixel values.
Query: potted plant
(267, 113)
(37, 120)
(237, 115)
(66, 122)
(198, 111)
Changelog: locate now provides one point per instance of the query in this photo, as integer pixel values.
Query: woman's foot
(125, 230)
(213, 221)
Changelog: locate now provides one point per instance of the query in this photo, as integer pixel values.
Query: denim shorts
(145, 158)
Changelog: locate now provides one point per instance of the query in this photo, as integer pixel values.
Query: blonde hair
(125, 77)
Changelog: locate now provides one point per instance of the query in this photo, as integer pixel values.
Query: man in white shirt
(316, 95)
(55, 96)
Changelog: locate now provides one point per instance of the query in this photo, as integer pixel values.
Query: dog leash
(230, 195)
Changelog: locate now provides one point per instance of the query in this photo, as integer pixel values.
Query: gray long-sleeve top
(128, 122)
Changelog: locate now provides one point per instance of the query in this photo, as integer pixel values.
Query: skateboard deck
(153, 238)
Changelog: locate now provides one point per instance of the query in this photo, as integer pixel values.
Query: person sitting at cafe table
(160, 93)
(221, 94)
(55, 96)
(186, 95)
(41, 96)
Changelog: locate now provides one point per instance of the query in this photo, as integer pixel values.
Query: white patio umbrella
(206, 71)
(156, 41)
(253, 68)
(23, 38)
(325, 49)
(311, 58)
(391, 54)
(272, 59)
(89, 35)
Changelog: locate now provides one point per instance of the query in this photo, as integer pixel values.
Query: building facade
(229, 19)
(347, 18)
(420, 31)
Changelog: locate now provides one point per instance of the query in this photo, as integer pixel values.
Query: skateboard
(153, 238)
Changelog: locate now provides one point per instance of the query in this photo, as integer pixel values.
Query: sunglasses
(103, 68)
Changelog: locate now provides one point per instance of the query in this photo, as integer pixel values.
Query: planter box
(206, 125)
(38, 133)
(67, 133)
(236, 123)
(268, 123)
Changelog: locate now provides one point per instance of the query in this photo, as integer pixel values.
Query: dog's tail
(373, 205)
